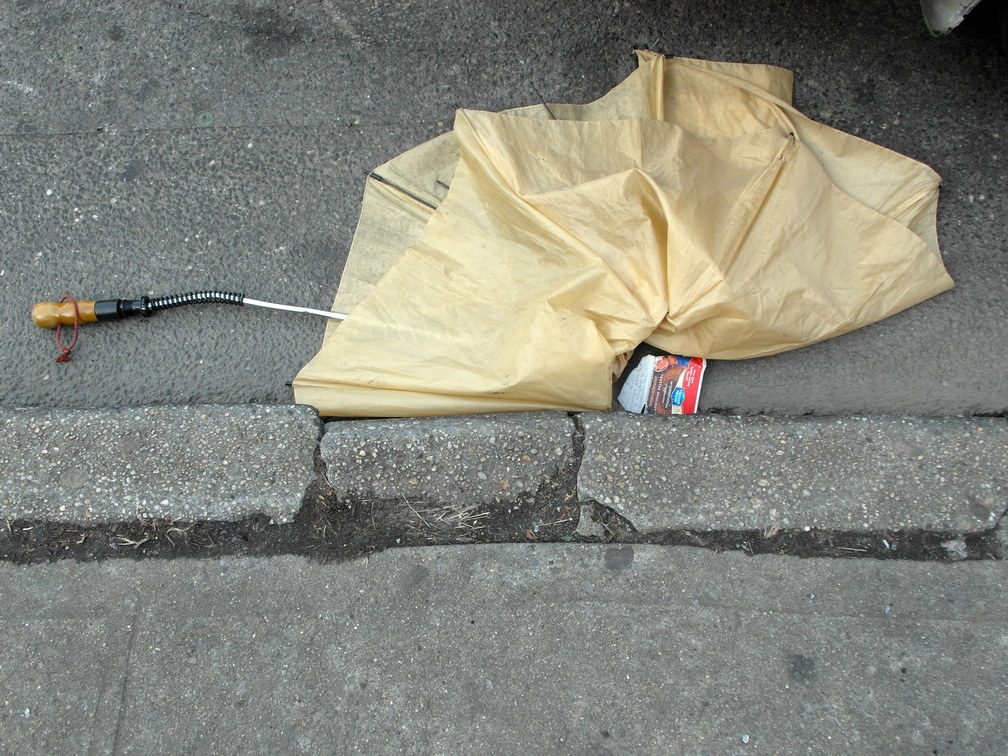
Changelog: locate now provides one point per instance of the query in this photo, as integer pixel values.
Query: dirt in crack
(349, 531)
(842, 544)
(329, 530)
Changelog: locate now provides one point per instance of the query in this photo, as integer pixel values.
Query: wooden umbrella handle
(52, 314)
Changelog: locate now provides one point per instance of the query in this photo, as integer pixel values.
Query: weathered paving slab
(205, 462)
(718, 472)
(505, 649)
(478, 458)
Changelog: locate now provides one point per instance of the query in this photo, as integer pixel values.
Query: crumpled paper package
(692, 208)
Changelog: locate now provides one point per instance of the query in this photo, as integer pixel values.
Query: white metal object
(292, 308)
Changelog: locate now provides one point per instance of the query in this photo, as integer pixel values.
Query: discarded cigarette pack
(663, 385)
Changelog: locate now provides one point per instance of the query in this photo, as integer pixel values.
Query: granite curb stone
(706, 472)
(202, 462)
(480, 459)
(716, 472)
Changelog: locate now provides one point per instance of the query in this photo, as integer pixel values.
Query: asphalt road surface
(161, 147)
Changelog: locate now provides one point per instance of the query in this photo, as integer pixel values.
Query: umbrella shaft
(292, 308)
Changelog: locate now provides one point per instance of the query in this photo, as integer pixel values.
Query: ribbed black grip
(157, 304)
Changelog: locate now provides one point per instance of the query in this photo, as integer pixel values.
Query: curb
(699, 472)
(199, 462)
(845, 473)
(480, 459)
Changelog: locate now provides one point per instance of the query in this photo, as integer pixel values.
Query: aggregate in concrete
(479, 459)
(138, 117)
(505, 649)
(717, 472)
(179, 463)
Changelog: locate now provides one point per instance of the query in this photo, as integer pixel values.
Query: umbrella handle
(53, 314)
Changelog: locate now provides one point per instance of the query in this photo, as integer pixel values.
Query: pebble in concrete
(481, 459)
(179, 463)
(864, 473)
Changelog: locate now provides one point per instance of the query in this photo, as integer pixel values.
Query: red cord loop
(64, 349)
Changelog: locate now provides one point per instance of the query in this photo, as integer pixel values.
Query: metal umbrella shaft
(294, 308)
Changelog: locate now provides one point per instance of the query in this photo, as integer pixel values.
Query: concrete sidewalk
(506, 649)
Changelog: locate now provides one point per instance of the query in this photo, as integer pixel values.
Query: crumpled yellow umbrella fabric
(692, 207)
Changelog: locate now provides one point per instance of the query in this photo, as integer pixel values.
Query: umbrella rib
(543, 100)
(407, 192)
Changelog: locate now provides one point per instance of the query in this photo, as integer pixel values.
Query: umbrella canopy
(692, 207)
